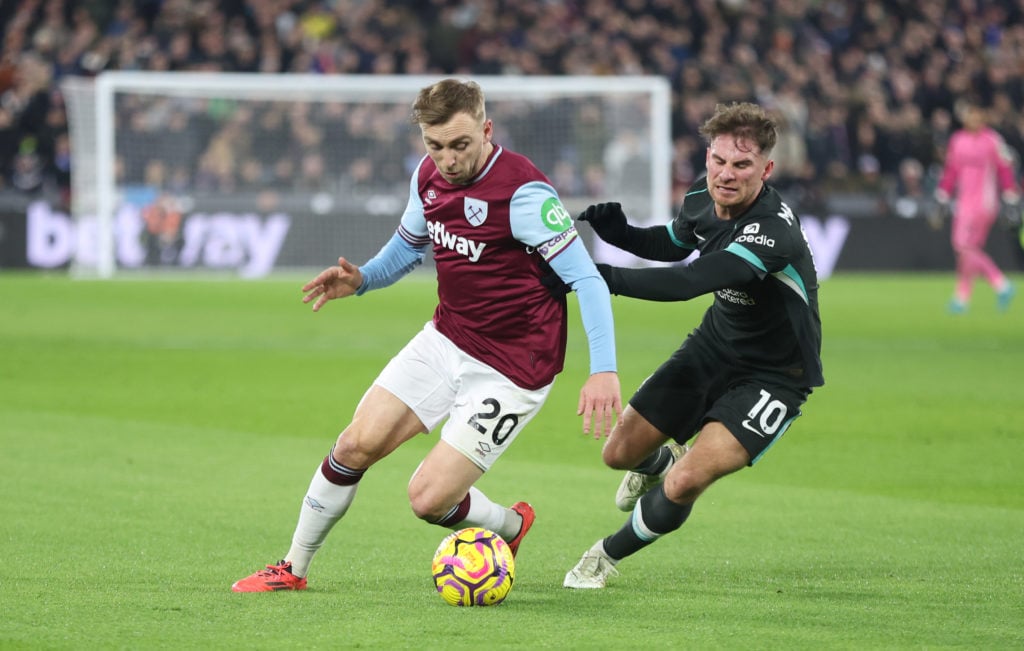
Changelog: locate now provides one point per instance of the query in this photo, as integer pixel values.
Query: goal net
(253, 174)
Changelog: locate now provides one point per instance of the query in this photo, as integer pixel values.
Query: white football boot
(635, 484)
(593, 569)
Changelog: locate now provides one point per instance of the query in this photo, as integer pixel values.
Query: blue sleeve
(538, 219)
(404, 251)
(394, 260)
(574, 266)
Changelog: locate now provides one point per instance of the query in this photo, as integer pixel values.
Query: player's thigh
(441, 480)
(674, 399)
(380, 424)
(971, 229)
(758, 412)
(714, 453)
(412, 394)
(632, 439)
(425, 375)
(489, 412)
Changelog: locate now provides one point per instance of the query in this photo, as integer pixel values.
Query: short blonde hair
(440, 102)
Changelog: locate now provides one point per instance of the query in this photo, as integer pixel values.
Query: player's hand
(333, 282)
(600, 403)
(939, 212)
(608, 221)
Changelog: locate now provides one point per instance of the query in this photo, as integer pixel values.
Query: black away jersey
(773, 321)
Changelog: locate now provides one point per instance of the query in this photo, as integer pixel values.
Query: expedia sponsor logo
(461, 245)
(761, 239)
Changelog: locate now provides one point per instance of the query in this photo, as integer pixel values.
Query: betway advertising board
(254, 244)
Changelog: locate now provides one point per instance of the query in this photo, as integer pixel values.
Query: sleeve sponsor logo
(550, 248)
(555, 216)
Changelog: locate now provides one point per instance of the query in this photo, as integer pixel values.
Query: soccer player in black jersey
(739, 379)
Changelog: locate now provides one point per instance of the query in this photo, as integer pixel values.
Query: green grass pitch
(156, 437)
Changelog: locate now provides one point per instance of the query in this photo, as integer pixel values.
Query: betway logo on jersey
(461, 245)
(752, 234)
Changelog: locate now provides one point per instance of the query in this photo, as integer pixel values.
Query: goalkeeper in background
(486, 362)
(977, 170)
(738, 380)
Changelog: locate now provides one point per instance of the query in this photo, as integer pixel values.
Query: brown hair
(742, 120)
(438, 103)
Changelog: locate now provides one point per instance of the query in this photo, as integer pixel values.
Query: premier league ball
(473, 567)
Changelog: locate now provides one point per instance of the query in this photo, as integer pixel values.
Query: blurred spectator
(910, 193)
(851, 82)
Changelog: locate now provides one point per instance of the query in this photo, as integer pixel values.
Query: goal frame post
(291, 87)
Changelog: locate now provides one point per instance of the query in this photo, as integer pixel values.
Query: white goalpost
(252, 174)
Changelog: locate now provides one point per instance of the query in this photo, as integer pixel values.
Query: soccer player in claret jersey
(740, 378)
(485, 363)
(977, 170)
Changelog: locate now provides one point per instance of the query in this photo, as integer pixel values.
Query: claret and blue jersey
(492, 240)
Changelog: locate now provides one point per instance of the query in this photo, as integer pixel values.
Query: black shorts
(696, 385)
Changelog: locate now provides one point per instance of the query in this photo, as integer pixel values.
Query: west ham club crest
(475, 211)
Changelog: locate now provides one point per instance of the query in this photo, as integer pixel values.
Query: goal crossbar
(355, 88)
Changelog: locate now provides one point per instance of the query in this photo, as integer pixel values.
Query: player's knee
(424, 510)
(615, 457)
(426, 503)
(419, 503)
(351, 452)
(684, 486)
(660, 514)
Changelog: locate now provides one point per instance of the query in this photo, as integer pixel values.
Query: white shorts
(437, 380)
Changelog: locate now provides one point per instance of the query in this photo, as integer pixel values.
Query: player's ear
(768, 170)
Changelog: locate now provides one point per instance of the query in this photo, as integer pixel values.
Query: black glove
(1011, 214)
(610, 275)
(608, 221)
(557, 287)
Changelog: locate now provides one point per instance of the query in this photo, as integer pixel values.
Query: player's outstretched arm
(600, 403)
(334, 282)
(651, 243)
(708, 273)
(608, 221)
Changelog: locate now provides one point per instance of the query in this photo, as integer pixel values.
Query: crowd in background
(866, 91)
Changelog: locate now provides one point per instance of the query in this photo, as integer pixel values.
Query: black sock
(656, 462)
(654, 516)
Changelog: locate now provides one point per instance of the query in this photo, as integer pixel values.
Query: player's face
(737, 170)
(458, 147)
(974, 118)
